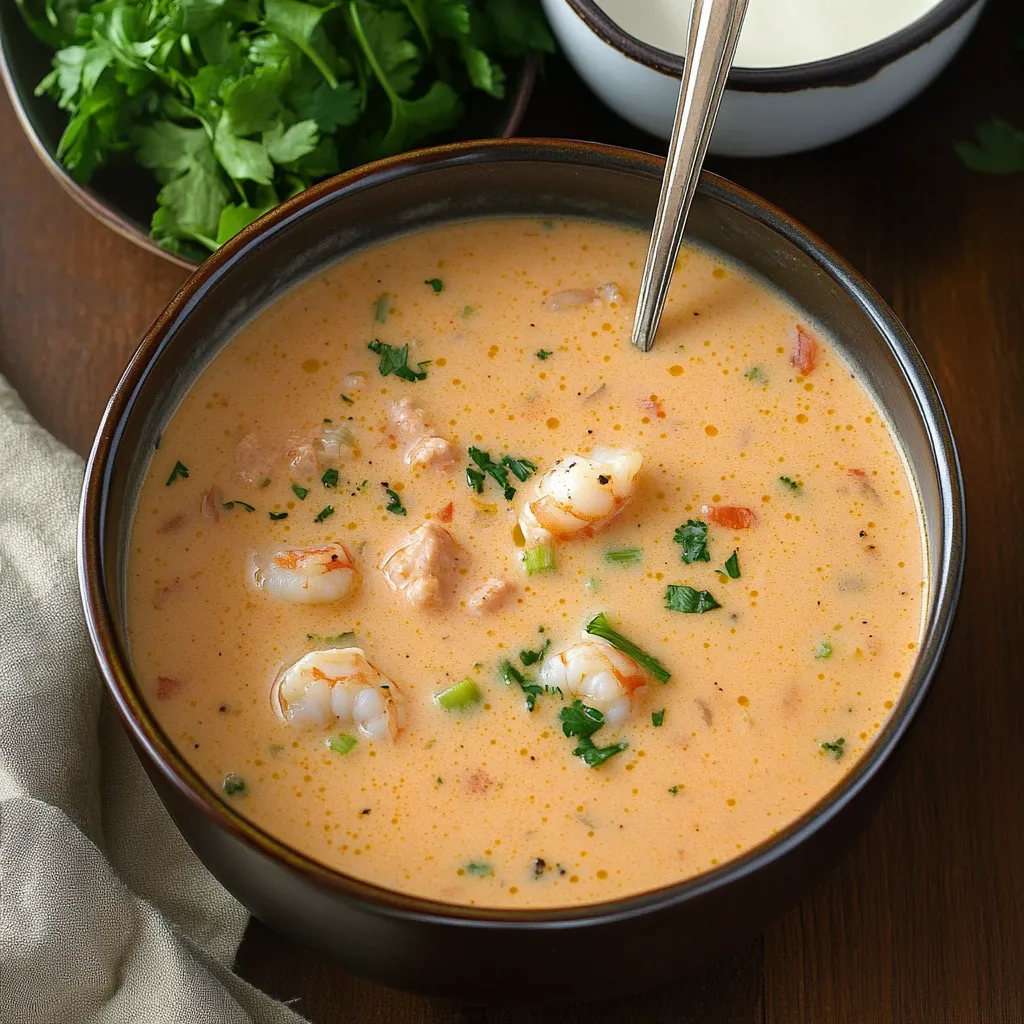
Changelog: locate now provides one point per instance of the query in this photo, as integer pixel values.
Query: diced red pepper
(805, 351)
(446, 514)
(732, 517)
(166, 687)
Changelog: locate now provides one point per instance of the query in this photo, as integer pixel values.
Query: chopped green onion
(278, 515)
(180, 472)
(462, 695)
(347, 400)
(342, 743)
(325, 513)
(330, 478)
(478, 869)
(381, 310)
(625, 556)
(436, 283)
(686, 599)
(539, 559)
(300, 492)
(657, 717)
(600, 626)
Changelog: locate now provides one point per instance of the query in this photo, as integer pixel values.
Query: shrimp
(579, 495)
(337, 688)
(489, 596)
(576, 298)
(334, 443)
(599, 674)
(431, 452)
(806, 351)
(421, 567)
(307, 575)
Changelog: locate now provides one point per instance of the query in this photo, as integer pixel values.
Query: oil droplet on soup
(369, 548)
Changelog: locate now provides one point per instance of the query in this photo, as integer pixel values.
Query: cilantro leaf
(325, 513)
(179, 472)
(396, 361)
(999, 149)
(243, 159)
(836, 748)
(286, 145)
(580, 720)
(600, 626)
(657, 717)
(732, 566)
(531, 690)
(437, 284)
(394, 503)
(532, 657)
(543, 353)
(329, 478)
(686, 599)
(694, 538)
(593, 755)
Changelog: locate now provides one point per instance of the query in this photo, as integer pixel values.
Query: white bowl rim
(843, 70)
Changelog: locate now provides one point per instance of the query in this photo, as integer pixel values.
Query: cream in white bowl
(808, 72)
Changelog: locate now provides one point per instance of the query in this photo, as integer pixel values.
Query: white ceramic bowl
(765, 111)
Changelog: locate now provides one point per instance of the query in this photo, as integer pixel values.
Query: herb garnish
(732, 566)
(342, 743)
(793, 485)
(240, 504)
(657, 717)
(436, 283)
(462, 694)
(686, 599)
(694, 539)
(300, 492)
(347, 400)
(278, 515)
(532, 657)
(1000, 148)
(625, 556)
(755, 375)
(330, 478)
(600, 626)
(233, 785)
(180, 472)
(543, 354)
(539, 559)
(396, 361)
(522, 469)
(823, 650)
(381, 310)
(531, 690)
(582, 721)
(325, 513)
(394, 503)
(837, 748)
(674, 790)
(338, 638)
(478, 869)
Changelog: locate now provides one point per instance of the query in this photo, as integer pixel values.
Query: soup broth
(461, 512)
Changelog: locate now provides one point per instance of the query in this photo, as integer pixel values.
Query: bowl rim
(842, 70)
(127, 227)
(164, 755)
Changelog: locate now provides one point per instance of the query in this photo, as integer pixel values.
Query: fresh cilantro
(793, 485)
(999, 149)
(657, 717)
(396, 361)
(478, 869)
(347, 400)
(756, 375)
(593, 755)
(732, 567)
(325, 513)
(437, 284)
(521, 469)
(382, 309)
(265, 483)
(531, 690)
(694, 539)
(240, 504)
(674, 790)
(234, 105)
(543, 354)
(686, 599)
(300, 492)
(582, 721)
(823, 650)
(278, 515)
(836, 748)
(624, 556)
(394, 503)
(180, 472)
(342, 743)
(600, 626)
(532, 657)
(330, 478)
(233, 785)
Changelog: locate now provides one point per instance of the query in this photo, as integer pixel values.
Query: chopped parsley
(233, 785)
(823, 650)
(657, 717)
(240, 504)
(478, 869)
(539, 559)
(347, 400)
(325, 513)
(531, 690)
(543, 354)
(381, 310)
(836, 748)
(342, 743)
(793, 485)
(756, 375)
(436, 283)
(521, 469)
(694, 539)
(624, 556)
(732, 567)
(338, 638)
(582, 721)
(330, 478)
(394, 503)
(674, 789)
(278, 515)
(532, 657)
(600, 626)
(300, 492)
(180, 472)
(396, 361)
(686, 599)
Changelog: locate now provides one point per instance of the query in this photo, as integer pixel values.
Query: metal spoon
(711, 44)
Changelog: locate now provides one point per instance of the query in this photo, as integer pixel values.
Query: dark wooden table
(924, 919)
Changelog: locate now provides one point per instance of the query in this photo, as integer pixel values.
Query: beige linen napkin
(106, 915)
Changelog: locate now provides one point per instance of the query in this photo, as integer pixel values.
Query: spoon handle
(711, 44)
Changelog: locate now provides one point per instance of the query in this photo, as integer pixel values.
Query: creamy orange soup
(311, 565)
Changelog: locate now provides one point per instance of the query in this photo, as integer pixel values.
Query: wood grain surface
(924, 919)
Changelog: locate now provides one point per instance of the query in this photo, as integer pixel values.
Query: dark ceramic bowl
(419, 944)
(124, 197)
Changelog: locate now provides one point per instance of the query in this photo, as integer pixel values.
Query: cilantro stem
(600, 626)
